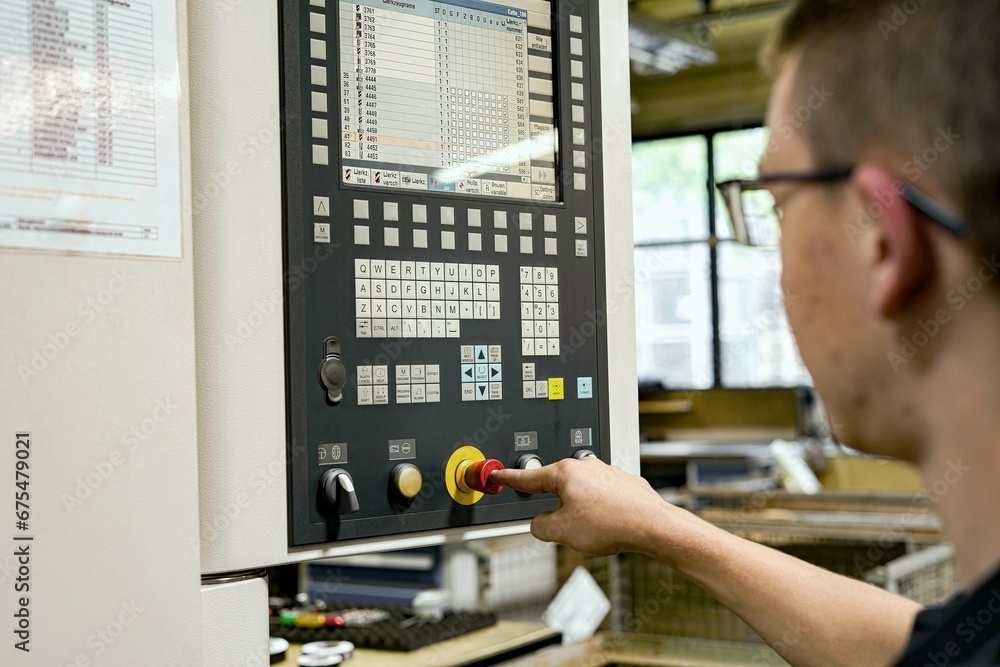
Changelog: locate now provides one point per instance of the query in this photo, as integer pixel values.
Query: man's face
(824, 278)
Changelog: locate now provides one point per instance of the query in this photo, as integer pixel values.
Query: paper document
(89, 126)
(578, 609)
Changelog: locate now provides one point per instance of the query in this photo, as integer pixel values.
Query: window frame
(713, 242)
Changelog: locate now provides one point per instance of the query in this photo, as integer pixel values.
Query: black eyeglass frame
(732, 195)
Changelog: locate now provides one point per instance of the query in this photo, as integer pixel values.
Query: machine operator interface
(442, 202)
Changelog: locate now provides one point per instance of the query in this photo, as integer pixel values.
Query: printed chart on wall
(89, 126)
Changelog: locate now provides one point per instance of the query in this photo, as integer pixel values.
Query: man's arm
(807, 614)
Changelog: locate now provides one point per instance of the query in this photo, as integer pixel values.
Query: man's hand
(602, 509)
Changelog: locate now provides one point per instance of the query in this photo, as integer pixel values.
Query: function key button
(320, 128)
(361, 236)
(317, 49)
(317, 75)
(321, 206)
(361, 209)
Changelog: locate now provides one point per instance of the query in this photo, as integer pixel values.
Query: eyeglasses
(755, 218)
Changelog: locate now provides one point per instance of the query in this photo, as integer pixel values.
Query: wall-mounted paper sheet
(89, 126)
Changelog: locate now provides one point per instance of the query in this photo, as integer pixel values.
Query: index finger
(540, 480)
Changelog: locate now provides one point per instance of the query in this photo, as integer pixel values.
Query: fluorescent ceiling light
(653, 52)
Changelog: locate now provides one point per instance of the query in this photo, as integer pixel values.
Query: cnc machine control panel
(444, 283)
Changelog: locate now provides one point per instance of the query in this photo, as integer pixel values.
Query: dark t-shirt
(964, 631)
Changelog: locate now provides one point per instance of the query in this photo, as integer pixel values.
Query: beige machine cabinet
(263, 191)
(98, 373)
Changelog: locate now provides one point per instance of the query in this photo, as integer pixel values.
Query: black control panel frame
(319, 297)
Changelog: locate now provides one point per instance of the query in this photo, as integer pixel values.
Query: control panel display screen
(451, 96)
(445, 302)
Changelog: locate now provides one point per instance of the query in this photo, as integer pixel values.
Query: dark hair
(915, 83)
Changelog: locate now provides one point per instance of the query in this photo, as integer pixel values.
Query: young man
(883, 165)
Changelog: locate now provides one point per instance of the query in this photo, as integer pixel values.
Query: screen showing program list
(453, 96)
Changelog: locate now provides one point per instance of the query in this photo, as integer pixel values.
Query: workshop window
(709, 312)
(672, 300)
(674, 359)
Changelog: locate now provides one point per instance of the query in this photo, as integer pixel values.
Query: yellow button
(555, 389)
(408, 480)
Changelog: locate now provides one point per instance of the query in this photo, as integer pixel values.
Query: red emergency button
(477, 476)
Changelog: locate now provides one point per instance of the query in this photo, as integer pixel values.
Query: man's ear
(901, 261)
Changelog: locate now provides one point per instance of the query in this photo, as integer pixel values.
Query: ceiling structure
(731, 92)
